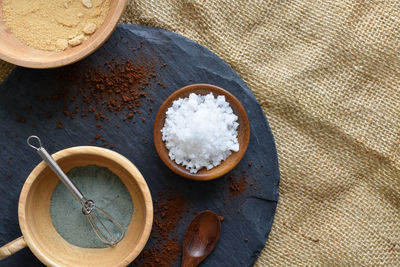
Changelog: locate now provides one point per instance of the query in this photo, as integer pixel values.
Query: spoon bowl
(200, 238)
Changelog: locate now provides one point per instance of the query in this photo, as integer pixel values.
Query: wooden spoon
(200, 238)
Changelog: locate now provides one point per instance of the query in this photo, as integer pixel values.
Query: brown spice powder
(117, 87)
(167, 214)
(237, 185)
(120, 86)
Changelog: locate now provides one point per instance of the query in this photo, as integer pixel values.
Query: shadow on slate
(187, 63)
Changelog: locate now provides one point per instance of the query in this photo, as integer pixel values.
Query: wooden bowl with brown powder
(18, 52)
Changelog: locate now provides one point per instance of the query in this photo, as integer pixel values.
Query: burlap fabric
(327, 74)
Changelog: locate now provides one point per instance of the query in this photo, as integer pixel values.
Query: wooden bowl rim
(91, 150)
(202, 175)
(92, 45)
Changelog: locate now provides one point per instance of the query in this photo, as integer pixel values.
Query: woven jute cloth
(327, 75)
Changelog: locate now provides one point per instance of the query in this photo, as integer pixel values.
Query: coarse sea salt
(200, 131)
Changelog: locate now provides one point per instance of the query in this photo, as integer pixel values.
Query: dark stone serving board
(187, 63)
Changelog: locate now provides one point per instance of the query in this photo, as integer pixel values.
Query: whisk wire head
(101, 230)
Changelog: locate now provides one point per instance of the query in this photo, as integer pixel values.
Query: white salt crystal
(200, 131)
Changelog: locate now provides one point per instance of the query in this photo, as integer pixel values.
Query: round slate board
(187, 62)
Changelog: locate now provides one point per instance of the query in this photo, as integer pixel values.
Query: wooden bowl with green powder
(49, 34)
(47, 212)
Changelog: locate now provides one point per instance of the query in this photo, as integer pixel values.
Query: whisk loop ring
(28, 141)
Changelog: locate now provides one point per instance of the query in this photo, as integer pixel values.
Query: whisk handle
(57, 170)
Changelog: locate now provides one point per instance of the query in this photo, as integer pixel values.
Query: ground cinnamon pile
(166, 247)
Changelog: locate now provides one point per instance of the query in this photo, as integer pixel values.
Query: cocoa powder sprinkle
(237, 185)
(168, 212)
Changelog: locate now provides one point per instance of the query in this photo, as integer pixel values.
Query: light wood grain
(226, 165)
(12, 247)
(39, 232)
(14, 51)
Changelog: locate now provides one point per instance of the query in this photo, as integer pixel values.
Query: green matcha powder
(105, 189)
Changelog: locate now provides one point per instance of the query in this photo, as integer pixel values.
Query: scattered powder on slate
(105, 189)
(116, 86)
(168, 211)
(237, 185)
(200, 131)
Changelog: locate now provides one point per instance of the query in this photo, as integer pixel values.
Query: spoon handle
(56, 168)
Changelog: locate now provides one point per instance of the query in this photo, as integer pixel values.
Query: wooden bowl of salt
(226, 165)
(42, 238)
(14, 51)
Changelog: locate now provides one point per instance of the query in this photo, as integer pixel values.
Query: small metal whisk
(89, 209)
